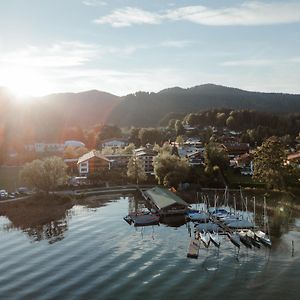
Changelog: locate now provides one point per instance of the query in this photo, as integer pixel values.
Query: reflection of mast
(254, 212)
(265, 216)
(131, 205)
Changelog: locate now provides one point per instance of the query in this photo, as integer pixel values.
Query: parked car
(3, 194)
(22, 190)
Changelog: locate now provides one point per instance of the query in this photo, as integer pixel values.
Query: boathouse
(165, 201)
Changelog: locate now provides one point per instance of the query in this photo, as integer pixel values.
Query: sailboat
(234, 238)
(205, 238)
(245, 239)
(261, 235)
(253, 238)
(263, 238)
(215, 239)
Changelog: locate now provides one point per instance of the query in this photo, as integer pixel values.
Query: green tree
(269, 163)
(128, 149)
(107, 132)
(215, 157)
(165, 148)
(170, 169)
(207, 134)
(180, 140)
(221, 119)
(230, 122)
(134, 136)
(151, 135)
(135, 170)
(46, 174)
(179, 128)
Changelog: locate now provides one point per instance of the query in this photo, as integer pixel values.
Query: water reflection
(281, 213)
(40, 219)
(52, 232)
(45, 218)
(102, 255)
(173, 221)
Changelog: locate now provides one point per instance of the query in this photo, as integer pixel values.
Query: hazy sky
(124, 46)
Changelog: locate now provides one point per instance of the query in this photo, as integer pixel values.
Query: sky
(51, 46)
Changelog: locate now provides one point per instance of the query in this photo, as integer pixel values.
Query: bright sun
(24, 82)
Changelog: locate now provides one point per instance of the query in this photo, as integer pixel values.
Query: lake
(90, 252)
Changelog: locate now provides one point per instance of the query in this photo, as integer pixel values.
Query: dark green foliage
(135, 170)
(169, 169)
(149, 109)
(215, 157)
(171, 116)
(46, 174)
(151, 136)
(107, 132)
(269, 163)
(134, 136)
(179, 128)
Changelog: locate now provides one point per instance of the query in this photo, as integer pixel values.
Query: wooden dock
(193, 251)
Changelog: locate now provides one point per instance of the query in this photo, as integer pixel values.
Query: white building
(114, 143)
(52, 147)
(45, 147)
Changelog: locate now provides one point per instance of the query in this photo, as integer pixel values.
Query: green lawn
(235, 180)
(9, 178)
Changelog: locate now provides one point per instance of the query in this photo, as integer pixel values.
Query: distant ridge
(84, 109)
(147, 109)
(144, 109)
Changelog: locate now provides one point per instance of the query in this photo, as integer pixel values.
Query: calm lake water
(92, 253)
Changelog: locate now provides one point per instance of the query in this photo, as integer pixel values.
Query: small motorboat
(128, 219)
(144, 218)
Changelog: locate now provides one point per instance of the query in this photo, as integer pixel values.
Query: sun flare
(24, 82)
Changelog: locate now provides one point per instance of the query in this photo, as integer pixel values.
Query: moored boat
(245, 239)
(205, 238)
(234, 238)
(198, 216)
(253, 239)
(215, 239)
(263, 238)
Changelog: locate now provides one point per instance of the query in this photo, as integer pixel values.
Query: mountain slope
(84, 109)
(147, 109)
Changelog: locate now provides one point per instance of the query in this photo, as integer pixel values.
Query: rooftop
(91, 154)
(163, 198)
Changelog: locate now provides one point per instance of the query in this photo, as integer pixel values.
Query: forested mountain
(46, 117)
(83, 109)
(147, 109)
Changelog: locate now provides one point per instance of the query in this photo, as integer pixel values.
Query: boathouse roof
(163, 198)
